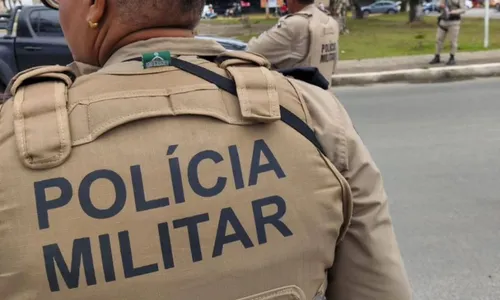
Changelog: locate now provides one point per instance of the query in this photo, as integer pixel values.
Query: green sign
(156, 59)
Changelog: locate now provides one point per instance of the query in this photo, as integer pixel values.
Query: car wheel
(366, 14)
(391, 11)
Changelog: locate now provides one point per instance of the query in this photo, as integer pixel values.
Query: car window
(46, 23)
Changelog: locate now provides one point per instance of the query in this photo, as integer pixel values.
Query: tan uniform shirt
(367, 262)
(456, 7)
(286, 45)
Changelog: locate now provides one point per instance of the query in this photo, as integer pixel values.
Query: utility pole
(486, 23)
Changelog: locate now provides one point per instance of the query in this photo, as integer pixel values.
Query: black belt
(453, 17)
(229, 86)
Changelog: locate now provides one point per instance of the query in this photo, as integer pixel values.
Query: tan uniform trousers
(453, 28)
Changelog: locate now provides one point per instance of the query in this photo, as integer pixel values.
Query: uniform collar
(310, 9)
(176, 46)
(80, 69)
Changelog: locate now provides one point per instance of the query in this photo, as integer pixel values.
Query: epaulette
(41, 122)
(255, 88)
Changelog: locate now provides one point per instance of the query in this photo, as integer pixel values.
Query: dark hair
(171, 13)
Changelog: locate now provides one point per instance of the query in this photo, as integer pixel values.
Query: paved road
(438, 147)
(477, 13)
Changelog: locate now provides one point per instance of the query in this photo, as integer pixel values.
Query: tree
(267, 9)
(404, 6)
(338, 10)
(414, 13)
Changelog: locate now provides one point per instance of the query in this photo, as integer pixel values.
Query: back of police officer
(307, 37)
(143, 172)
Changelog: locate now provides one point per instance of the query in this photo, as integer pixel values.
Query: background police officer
(306, 37)
(158, 165)
(449, 24)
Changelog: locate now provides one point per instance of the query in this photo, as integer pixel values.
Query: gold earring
(93, 25)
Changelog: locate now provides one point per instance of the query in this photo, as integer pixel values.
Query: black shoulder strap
(229, 86)
(310, 75)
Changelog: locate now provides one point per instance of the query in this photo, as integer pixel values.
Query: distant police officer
(306, 37)
(160, 166)
(449, 24)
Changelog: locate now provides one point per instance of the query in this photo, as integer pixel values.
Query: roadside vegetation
(390, 35)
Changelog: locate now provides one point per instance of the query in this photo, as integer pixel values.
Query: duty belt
(453, 17)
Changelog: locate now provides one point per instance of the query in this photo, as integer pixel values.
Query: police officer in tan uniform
(159, 166)
(448, 24)
(306, 37)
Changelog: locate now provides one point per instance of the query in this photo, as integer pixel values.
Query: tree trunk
(404, 6)
(357, 13)
(413, 11)
(267, 9)
(338, 10)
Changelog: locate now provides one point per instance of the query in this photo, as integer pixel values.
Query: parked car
(493, 3)
(431, 6)
(34, 37)
(4, 21)
(381, 7)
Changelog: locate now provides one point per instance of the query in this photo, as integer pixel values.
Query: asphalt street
(438, 147)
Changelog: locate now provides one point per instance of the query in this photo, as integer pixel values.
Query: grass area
(385, 36)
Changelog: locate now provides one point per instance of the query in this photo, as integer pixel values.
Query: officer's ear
(96, 10)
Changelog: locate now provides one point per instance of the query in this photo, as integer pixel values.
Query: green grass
(386, 36)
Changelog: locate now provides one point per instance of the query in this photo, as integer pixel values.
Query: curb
(419, 75)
